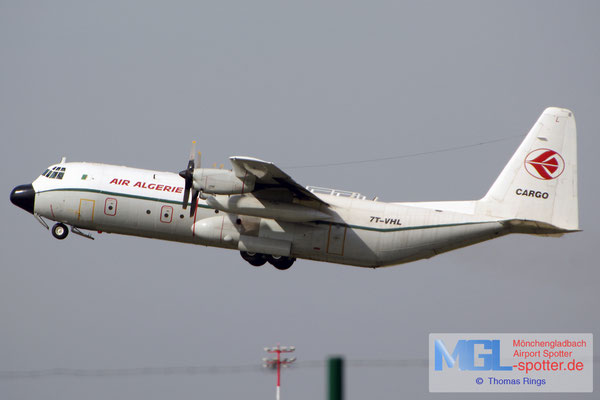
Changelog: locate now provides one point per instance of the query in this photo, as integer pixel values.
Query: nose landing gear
(257, 259)
(60, 231)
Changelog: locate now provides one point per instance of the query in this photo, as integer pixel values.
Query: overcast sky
(297, 83)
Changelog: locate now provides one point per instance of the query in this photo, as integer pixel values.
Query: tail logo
(544, 164)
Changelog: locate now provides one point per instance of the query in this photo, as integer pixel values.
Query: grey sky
(296, 83)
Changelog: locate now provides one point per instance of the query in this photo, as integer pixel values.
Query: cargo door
(86, 211)
(336, 239)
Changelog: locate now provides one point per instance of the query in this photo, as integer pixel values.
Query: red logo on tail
(544, 164)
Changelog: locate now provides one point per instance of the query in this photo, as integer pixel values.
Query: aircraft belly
(410, 245)
(333, 243)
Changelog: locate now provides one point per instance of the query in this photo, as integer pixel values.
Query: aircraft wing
(270, 180)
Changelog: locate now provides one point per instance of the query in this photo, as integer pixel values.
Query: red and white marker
(276, 363)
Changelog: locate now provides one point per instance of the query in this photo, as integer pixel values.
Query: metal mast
(276, 363)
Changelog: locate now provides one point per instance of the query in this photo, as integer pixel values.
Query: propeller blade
(192, 155)
(194, 202)
(188, 175)
(186, 194)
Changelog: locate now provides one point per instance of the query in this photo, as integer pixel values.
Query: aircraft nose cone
(23, 196)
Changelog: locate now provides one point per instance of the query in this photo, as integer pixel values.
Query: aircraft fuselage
(146, 203)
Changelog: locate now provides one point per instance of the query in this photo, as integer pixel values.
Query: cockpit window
(55, 173)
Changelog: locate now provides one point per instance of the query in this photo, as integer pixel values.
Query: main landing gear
(257, 259)
(60, 231)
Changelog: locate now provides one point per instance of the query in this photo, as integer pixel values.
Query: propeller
(188, 175)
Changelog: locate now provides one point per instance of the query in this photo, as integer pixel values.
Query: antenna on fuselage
(63, 160)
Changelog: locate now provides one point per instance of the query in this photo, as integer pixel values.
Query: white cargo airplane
(258, 209)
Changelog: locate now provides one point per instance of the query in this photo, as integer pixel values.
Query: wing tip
(245, 158)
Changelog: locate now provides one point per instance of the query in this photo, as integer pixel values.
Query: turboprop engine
(221, 181)
(211, 181)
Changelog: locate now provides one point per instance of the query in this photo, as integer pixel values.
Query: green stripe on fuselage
(405, 228)
(131, 196)
(364, 228)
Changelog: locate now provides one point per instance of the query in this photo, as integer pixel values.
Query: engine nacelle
(222, 181)
(220, 231)
(249, 205)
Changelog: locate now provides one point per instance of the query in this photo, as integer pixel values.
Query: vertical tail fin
(539, 183)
